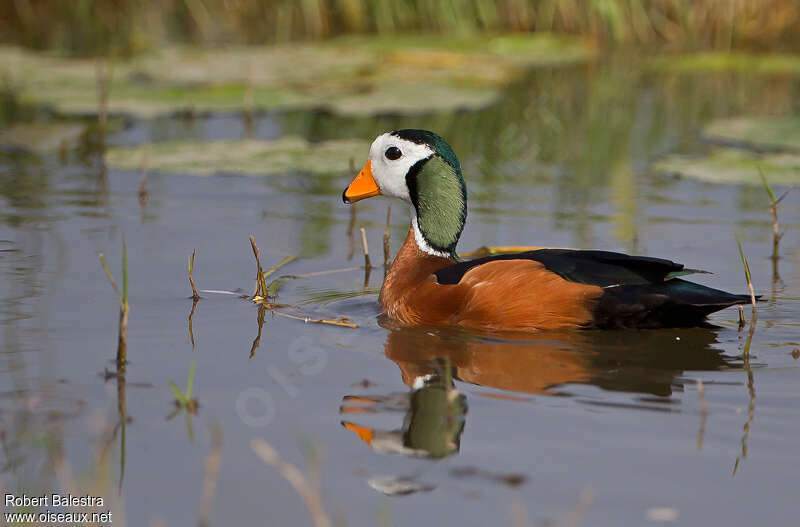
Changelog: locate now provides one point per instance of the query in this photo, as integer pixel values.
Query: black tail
(673, 303)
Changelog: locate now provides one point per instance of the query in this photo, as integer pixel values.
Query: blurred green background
(86, 27)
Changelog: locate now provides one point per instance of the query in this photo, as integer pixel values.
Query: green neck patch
(439, 195)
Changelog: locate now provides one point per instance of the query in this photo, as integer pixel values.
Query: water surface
(474, 427)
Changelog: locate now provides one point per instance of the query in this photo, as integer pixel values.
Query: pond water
(608, 428)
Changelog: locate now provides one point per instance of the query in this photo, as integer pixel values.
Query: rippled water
(477, 428)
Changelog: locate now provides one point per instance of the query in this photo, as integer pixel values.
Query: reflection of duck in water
(434, 417)
(539, 363)
(534, 290)
(648, 362)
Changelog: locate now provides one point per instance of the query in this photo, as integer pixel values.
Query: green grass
(184, 398)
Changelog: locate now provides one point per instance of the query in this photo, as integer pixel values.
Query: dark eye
(393, 153)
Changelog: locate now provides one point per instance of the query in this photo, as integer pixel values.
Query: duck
(543, 289)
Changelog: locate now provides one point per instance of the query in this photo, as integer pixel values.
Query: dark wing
(600, 268)
(639, 291)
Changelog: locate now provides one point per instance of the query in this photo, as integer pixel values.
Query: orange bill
(364, 433)
(362, 187)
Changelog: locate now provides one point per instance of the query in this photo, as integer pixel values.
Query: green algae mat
(349, 76)
(247, 157)
(743, 147)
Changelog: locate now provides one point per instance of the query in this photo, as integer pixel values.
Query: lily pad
(250, 156)
(40, 138)
(760, 133)
(355, 75)
(765, 64)
(727, 165)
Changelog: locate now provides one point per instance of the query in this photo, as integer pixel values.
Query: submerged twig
(191, 314)
(213, 462)
(751, 406)
(307, 491)
(703, 414)
(262, 310)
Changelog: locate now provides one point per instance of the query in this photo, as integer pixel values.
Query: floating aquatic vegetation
(249, 156)
(728, 165)
(355, 75)
(758, 133)
(41, 138)
(749, 63)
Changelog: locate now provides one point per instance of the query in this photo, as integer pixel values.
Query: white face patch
(390, 174)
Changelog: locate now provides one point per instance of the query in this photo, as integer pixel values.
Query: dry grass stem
(213, 462)
(742, 321)
(386, 249)
(307, 492)
(773, 209)
(195, 296)
(365, 248)
(122, 341)
(341, 323)
(367, 263)
(261, 286)
(578, 512)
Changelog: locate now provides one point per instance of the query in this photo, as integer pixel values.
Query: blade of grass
(744, 263)
(110, 276)
(178, 394)
(190, 381)
(767, 186)
(747, 276)
(286, 260)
